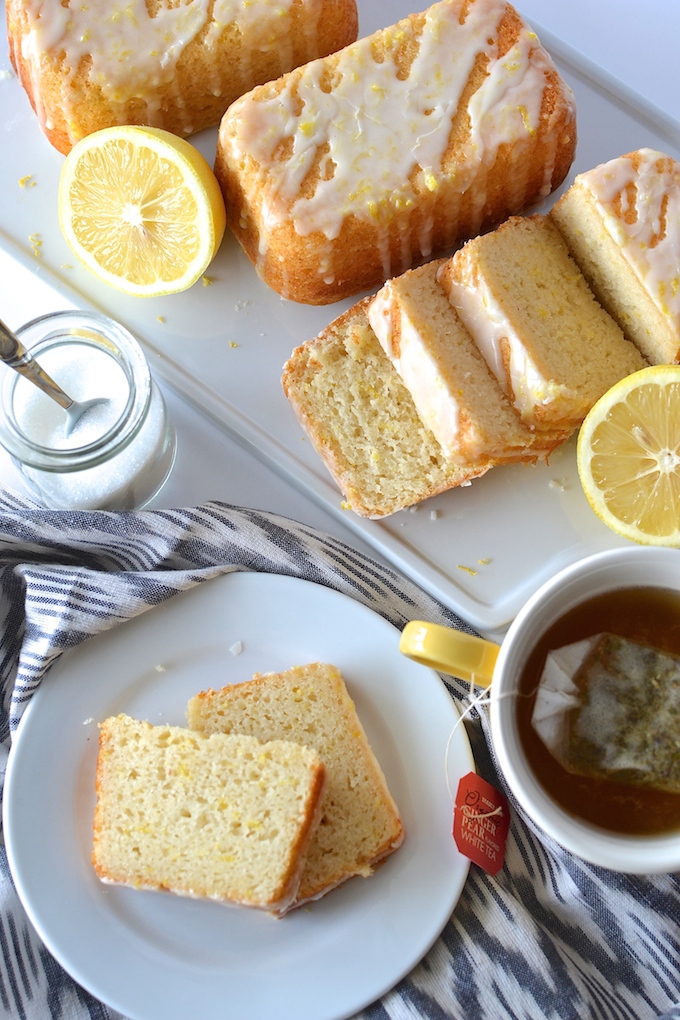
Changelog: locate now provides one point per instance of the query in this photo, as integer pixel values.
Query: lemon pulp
(629, 456)
(141, 208)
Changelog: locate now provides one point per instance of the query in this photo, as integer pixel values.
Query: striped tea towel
(548, 938)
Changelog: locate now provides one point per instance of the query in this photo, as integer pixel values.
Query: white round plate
(155, 956)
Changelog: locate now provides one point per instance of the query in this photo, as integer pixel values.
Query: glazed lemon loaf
(363, 423)
(171, 65)
(621, 221)
(225, 817)
(453, 389)
(552, 347)
(352, 168)
(360, 823)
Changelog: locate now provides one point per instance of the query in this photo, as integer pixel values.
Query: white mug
(484, 662)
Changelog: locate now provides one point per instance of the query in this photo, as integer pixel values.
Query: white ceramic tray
(223, 347)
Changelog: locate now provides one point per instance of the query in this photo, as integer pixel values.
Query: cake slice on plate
(360, 823)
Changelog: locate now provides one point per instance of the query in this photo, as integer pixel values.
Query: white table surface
(635, 43)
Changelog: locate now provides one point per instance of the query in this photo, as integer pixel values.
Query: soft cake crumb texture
(309, 704)
(218, 816)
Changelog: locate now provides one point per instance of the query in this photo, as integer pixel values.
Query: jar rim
(98, 332)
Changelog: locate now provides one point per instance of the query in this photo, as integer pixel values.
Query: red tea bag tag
(481, 818)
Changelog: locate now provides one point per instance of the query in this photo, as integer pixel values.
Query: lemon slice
(141, 208)
(628, 456)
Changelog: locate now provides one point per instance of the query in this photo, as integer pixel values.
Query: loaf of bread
(621, 221)
(224, 817)
(363, 423)
(351, 169)
(550, 344)
(171, 65)
(454, 391)
(360, 823)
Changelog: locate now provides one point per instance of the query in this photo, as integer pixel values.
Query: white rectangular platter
(481, 549)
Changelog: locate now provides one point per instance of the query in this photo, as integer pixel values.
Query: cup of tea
(584, 695)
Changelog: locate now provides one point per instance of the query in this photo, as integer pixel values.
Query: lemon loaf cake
(171, 65)
(363, 423)
(549, 343)
(224, 817)
(453, 389)
(360, 823)
(621, 221)
(352, 168)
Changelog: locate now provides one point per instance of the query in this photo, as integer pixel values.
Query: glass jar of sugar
(120, 453)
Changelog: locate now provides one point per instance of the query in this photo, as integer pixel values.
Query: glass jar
(120, 453)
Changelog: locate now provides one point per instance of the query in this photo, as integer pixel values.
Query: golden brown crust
(71, 107)
(365, 253)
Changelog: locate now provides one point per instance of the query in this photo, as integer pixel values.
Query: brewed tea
(640, 616)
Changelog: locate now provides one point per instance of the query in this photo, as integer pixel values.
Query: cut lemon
(141, 208)
(628, 456)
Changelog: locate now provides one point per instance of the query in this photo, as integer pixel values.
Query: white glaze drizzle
(380, 130)
(650, 244)
(133, 55)
(485, 320)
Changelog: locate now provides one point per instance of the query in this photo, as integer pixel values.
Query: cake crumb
(232, 343)
(27, 181)
(435, 514)
(468, 570)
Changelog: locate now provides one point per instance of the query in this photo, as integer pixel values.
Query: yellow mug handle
(450, 651)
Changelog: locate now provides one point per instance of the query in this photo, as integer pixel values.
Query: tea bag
(610, 707)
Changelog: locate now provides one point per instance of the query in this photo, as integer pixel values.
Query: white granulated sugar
(236, 648)
(85, 372)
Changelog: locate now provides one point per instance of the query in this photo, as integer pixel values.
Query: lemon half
(628, 456)
(141, 208)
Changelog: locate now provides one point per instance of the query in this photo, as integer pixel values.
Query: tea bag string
(476, 699)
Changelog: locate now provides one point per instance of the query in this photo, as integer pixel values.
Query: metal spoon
(15, 355)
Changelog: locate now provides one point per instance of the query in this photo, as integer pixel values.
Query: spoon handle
(15, 355)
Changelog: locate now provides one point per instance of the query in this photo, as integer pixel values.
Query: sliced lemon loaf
(621, 221)
(353, 168)
(224, 817)
(550, 344)
(360, 823)
(453, 389)
(363, 423)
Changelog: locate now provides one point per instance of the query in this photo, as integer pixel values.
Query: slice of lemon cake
(453, 389)
(621, 221)
(360, 823)
(550, 344)
(224, 817)
(363, 423)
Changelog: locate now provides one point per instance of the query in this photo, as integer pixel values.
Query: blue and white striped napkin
(548, 938)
